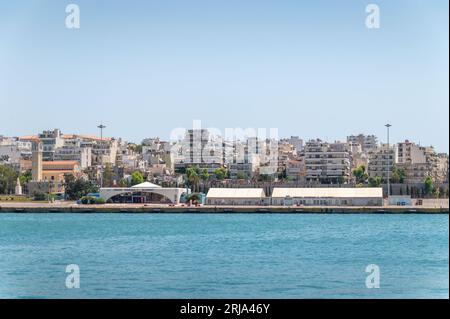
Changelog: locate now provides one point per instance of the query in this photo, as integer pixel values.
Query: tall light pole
(101, 127)
(388, 166)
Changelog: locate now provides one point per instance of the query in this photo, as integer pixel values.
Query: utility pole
(101, 127)
(388, 166)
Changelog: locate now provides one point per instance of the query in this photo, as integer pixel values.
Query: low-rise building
(328, 196)
(235, 196)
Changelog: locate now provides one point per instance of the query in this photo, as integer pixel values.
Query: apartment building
(419, 162)
(381, 161)
(367, 142)
(51, 140)
(327, 163)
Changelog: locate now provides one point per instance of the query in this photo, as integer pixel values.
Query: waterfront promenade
(429, 206)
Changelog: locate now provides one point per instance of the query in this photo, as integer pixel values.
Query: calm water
(221, 256)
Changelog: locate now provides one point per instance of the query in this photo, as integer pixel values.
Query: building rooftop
(236, 193)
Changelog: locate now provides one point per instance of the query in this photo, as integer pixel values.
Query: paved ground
(429, 205)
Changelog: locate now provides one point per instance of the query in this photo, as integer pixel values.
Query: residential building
(296, 169)
(327, 163)
(367, 142)
(419, 162)
(381, 160)
(51, 140)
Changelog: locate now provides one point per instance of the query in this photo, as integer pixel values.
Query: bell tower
(36, 161)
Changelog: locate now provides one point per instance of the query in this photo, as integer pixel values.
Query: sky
(307, 68)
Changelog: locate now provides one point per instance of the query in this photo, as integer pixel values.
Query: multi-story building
(12, 150)
(297, 143)
(381, 161)
(82, 155)
(103, 151)
(367, 142)
(327, 163)
(419, 162)
(157, 152)
(199, 148)
(296, 169)
(245, 164)
(51, 140)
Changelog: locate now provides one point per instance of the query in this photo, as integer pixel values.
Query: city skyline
(308, 69)
(380, 139)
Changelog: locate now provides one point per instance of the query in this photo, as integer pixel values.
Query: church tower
(36, 162)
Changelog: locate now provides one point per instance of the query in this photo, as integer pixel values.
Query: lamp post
(388, 166)
(101, 127)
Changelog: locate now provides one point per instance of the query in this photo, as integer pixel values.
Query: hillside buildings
(420, 162)
(246, 160)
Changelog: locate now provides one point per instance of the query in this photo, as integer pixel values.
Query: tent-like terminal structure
(142, 193)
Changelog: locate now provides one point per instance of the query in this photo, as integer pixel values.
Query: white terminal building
(368, 196)
(142, 193)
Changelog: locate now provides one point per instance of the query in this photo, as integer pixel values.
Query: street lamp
(101, 127)
(388, 152)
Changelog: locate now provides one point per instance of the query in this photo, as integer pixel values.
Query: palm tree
(192, 177)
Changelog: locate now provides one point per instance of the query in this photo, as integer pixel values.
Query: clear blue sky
(308, 68)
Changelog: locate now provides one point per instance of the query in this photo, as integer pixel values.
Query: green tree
(77, 188)
(204, 175)
(25, 177)
(397, 175)
(136, 178)
(428, 185)
(360, 174)
(221, 173)
(193, 176)
(375, 181)
(8, 179)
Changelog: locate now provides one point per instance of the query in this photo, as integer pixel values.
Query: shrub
(40, 196)
(100, 201)
(89, 200)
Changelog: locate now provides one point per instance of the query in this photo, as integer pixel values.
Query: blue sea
(223, 255)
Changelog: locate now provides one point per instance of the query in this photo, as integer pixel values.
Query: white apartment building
(156, 152)
(83, 155)
(381, 160)
(327, 163)
(104, 151)
(419, 162)
(199, 148)
(12, 150)
(367, 142)
(51, 140)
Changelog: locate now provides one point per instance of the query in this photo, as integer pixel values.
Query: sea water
(223, 255)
